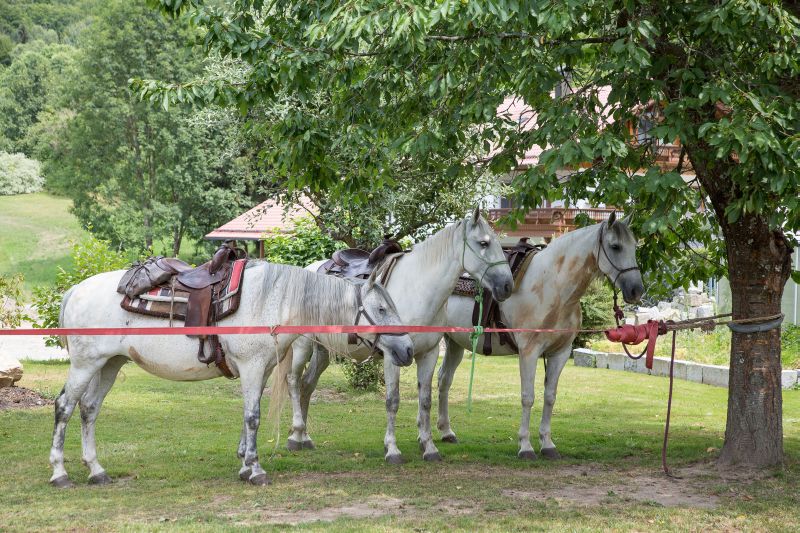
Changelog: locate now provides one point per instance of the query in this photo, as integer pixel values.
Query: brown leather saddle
(358, 263)
(519, 257)
(202, 287)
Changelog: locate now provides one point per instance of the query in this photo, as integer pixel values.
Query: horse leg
(391, 374)
(90, 405)
(78, 380)
(300, 355)
(253, 375)
(554, 365)
(527, 373)
(425, 366)
(452, 358)
(319, 362)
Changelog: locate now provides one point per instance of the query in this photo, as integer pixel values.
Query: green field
(171, 447)
(35, 235)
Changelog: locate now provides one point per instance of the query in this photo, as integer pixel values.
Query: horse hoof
(551, 454)
(100, 479)
(62, 482)
(527, 455)
(433, 457)
(259, 480)
(293, 445)
(394, 459)
(309, 445)
(244, 473)
(450, 438)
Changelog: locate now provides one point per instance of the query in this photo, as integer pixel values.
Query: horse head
(616, 258)
(379, 310)
(483, 257)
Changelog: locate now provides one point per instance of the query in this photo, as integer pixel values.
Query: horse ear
(612, 218)
(627, 219)
(476, 215)
(371, 279)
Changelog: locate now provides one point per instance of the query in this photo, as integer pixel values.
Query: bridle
(488, 264)
(355, 338)
(618, 314)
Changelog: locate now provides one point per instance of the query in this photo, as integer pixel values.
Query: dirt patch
(590, 485)
(21, 398)
(374, 507)
(329, 396)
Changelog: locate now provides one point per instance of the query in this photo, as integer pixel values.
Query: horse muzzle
(402, 352)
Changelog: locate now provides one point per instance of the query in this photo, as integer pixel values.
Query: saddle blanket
(160, 301)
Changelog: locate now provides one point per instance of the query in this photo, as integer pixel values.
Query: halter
(355, 338)
(619, 270)
(618, 314)
(479, 256)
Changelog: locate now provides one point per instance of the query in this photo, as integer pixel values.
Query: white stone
(694, 372)
(660, 366)
(583, 357)
(636, 365)
(601, 360)
(715, 375)
(705, 310)
(616, 361)
(789, 378)
(670, 314)
(10, 370)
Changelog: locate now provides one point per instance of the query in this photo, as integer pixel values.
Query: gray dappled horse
(421, 281)
(274, 294)
(547, 297)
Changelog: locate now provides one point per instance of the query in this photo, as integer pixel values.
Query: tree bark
(177, 238)
(759, 263)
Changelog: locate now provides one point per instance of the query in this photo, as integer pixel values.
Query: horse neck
(569, 264)
(317, 300)
(425, 277)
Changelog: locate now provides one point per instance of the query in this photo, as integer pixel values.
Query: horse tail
(279, 392)
(63, 338)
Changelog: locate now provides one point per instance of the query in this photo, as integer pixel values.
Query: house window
(647, 121)
(506, 203)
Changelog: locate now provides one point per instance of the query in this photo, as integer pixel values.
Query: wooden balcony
(547, 221)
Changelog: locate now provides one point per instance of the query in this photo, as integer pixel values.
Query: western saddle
(358, 263)
(204, 285)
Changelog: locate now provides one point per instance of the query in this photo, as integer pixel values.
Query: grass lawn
(35, 235)
(171, 447)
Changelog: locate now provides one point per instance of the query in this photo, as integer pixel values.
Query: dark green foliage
(301, 247)
(597, 309)
(366, 376)
(90, 256)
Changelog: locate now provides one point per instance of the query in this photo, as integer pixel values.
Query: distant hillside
(35, 234)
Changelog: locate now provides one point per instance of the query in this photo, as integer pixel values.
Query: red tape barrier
(269, 330)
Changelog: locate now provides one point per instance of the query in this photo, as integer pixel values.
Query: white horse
(420, 283)
(273, 294)
(547, 297)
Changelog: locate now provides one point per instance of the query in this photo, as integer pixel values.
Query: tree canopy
(422, 81)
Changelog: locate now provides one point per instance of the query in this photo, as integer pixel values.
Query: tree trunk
(759, 263)
(177, 237)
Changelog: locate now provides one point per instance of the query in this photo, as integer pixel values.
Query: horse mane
(316, 299)
(439, 245)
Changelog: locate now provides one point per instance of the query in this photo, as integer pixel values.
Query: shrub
(597, 308)
(303, 246)
(19, 175)
(366, 376)
(11, 313)
(90, 256)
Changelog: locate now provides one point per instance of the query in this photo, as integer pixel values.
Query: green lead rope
(477, 331)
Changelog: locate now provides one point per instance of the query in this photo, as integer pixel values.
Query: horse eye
(382, 310)
(616, 247)
(484, 244)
